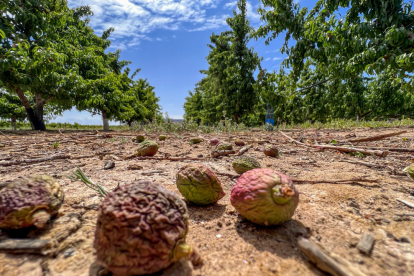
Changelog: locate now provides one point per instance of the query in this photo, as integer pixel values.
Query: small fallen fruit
(162, 137)
(139, 138)
(271, 150)
(239, 143)
(147, 148)
(245, 163)
(141, 229)
(410, 171)
(265, 196)
(214, 141)
(224, 146)
(29, 201)
(199, 184)
(195, 140)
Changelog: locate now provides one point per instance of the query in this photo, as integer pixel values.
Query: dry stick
(344, 149)
(409, 204)
(392, 149)
(376, 138)
(38, 160)
(361, 163)
(162, 158)
(243, 150)
(7, 137)
(324, 262)
(338, 181)
(405, 214)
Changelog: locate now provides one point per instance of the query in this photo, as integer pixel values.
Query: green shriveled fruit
(141, 229)
(29, 201)
(265, 197)
(410, 171)
(147, 148)
(199, 184)
(271, 150)
(195, 140)
(244, 163)
(140, 138)
(224, 146)
(162, 137)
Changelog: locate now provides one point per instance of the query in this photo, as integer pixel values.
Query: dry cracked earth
(333, 216)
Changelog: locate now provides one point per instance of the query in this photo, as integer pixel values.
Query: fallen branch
(25, 246)
(409, 204)
(218, 153)
(152, 172)
(376, 138)
(338, 181)
(344, 149)
(243, 150)
(38, 160)
(7, 137)
(361, 163)
(232, 176)
(405, 214)
(392, 149)
(161, 158)
(324, 261)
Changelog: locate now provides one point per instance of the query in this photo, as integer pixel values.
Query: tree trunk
(105, 121)
(35, 121)
(236, 118)
(13, 122)
(130, 123)
(39, 106)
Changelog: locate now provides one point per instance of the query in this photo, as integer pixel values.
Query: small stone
(219, 224)
(353, 203)
(200, 156)
(109, 165)
(404, 240)
(218, 236)
(385, 220)
(412, 192)
(69, 252)
(366, 243)
(134, 167)
(396, 218)
(385, 197)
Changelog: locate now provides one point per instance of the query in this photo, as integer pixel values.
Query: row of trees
(338, 65)
(51, 61)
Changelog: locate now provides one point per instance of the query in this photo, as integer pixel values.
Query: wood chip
(366, 243)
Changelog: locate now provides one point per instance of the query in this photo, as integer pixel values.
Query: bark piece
(25, 246)
(377, 137)
(365, 244)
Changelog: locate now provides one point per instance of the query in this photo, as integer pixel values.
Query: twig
(232, 176)
(243, 150)
(37, 160)
(338, 181)
(361, 163)
(376, 138)
(324, 261)
(344, 149)
(392, 149)
(405, 214)
(152, 172)
(409, 204)
(7, 137)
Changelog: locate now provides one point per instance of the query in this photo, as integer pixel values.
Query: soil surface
(333, 216)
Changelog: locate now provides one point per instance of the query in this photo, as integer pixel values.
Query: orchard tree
(11, 107)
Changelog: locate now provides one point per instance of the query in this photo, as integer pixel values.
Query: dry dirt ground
(334, 216)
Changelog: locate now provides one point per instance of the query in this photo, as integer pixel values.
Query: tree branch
(316, 84)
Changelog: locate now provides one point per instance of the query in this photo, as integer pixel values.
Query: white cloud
(158, 39)
(212, 23)
(266, 59)
(277, 58)
(252, 14)
(134, 20)
(273, 51)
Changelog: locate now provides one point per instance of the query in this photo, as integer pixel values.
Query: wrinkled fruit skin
(410, 171)
(224, 146)
(139, 226)
(23, 199)
(239, 143)
(199, 184)
(265, 197)
(214, 141)
(147, 148)
(162, 137)
(196, 140)
(244, 163)
(271, 150)
(140, 139)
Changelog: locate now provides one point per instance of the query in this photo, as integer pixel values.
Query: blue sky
(168, 40)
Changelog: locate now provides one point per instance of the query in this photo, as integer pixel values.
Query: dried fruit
(265, 197)
(162, 137)
(271, 150)
(141, 229)
(29, 201)
(239, 143)
(410, 171)
(245, 163)
(199, 184)
(214, 141)
(140, 138)
(147, 148)
(195, 140)
(224, 146)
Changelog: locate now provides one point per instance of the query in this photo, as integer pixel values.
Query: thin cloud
(252, 14)
(273, 51)
(277, 58)
(266, 59)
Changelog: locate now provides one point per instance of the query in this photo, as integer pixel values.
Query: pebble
(109, 165)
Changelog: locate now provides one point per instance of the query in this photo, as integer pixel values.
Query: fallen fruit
(410, 171)
(265, 196)
(224, 146)
(29, 201)
(141, 229)
(162, 137)
(271, 150)
(199, 184)
(239, 143)
(140, 139)
(245, 163)
(147, 148)
(195, 140)
(214, 141)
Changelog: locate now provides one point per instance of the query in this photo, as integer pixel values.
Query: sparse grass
(55, 144)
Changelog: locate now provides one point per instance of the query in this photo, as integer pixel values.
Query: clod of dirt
(245, 163)
(265, 197)
(271, 150)
(147, 148)
(199, 184)
(214, 141)
(29, 201)
(134, 167)
(109, 165)
(141, 229)
(224, 146)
